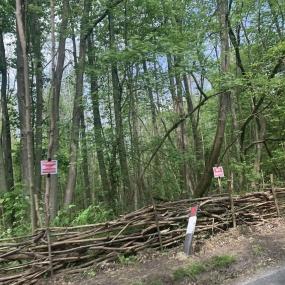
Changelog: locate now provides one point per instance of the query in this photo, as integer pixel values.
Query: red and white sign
(218, 172)
(48, 167)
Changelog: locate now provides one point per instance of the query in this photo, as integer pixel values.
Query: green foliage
(127, 260)
(14, 207)
(194, 269)
(190, 271)
(91, 215)
(218, 262)
(91, 273)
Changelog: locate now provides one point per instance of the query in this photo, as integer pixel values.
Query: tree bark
(77, 105)
(84, 165)
(175, 86)
(6, 133)
(98, 130)
(117, 97)
(27, 131)
(156, 183)
(53, 136)
(224, 101)
(36, 40)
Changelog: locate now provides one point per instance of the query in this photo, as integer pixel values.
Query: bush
(91, 215)
(14, 208)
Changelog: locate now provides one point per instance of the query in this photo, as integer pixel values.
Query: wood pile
(24, 260)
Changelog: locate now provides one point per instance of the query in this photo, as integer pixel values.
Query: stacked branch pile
(24, 260)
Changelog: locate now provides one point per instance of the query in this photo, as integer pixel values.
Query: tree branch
(174, 126)
(198, 86)
(100, 18)
(263, 141)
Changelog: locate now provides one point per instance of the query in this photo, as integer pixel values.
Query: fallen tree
(24, 260)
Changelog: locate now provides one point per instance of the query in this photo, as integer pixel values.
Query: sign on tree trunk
(48, 167)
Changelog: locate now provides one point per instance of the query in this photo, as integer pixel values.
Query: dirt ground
(253, 249)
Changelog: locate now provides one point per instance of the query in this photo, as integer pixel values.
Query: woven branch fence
(24, 260)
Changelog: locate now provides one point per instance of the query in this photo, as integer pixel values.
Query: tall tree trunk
(54, 109)
(37, 46)
(156, 184)
(77, 105)
(224, 101)
(84, 148)
(85, 168)
(175, 85)
(6, 134)
(21, 109)
(117, 97)
(138, 181)
(28, 131)
(109, 195)
(182, 140)
(197, 137)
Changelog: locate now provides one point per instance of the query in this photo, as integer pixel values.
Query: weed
(190, 271)
(222, 261)
(194, 269)
(91, 273)
(257, 249)
(127, 260)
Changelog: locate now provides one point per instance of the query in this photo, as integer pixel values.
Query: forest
(137, 100)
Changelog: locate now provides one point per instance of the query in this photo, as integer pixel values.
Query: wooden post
(274, 195)
(157, 223)
(220, 185)
(230, 190)
(263, 182)
(47, 221)
(190, 230)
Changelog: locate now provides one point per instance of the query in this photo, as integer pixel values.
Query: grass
(194, 269)
(190, 271)
(152, 282)
(222, 261)
(257, 249)
(127, 260)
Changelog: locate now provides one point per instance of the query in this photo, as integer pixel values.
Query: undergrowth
(194, 269)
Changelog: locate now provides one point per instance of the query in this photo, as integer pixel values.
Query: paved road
(274, 277)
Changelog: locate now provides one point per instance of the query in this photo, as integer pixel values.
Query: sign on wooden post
(219, 173)
(48, 167)
(190, 230)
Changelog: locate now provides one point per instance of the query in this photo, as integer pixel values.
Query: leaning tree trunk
(27, 118)
(224, 103)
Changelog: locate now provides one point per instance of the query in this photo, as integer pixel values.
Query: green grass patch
(191, 271)
(194, 269)
(127, 260)
(222, 261)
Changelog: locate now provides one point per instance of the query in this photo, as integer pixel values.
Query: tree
(24, 94)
